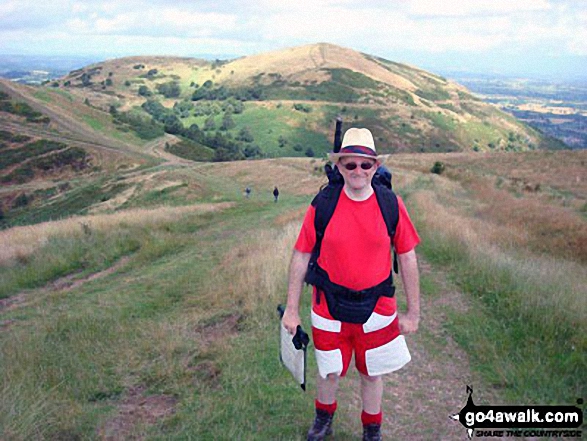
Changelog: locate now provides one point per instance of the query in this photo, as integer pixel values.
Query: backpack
(345, 304)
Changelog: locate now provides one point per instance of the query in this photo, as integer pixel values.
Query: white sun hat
(356, 142)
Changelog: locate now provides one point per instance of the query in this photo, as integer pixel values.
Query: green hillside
(282, 104)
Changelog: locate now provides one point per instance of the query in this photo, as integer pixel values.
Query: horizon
(538, 39)
(69, 62)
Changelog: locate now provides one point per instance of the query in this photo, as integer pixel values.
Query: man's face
(357, 171)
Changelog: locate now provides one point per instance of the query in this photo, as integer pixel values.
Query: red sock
(330, 408)
(367, 418)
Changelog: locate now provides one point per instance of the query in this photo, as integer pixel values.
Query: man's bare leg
(371, 393)
(326, 388)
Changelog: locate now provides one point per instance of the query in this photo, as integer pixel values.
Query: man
(356, 253)
(275, 194)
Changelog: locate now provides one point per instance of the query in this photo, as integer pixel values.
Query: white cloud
(154, 22)
(478, 7)
(485, 28)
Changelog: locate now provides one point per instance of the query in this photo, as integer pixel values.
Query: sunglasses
(354, 165)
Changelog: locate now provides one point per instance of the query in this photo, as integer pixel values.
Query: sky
(531, 38)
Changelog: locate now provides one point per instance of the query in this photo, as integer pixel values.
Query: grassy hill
(138, 287)
(153, 315)
(284, 101)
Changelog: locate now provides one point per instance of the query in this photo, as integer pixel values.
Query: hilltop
(286, 100)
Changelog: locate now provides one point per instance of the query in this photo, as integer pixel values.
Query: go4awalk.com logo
(520, 421)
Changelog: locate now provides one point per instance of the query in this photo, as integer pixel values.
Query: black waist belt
(346, 304)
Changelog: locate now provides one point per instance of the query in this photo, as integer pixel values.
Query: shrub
(170, 89)
(302, 107)
(145, 91)
(438, 168)
(144, 126)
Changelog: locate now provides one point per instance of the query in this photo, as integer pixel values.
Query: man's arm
(297, 272)
(408, 264)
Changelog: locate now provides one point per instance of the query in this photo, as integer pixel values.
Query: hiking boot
(372, 432)
(322, 426)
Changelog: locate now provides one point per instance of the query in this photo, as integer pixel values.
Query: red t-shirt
(356, 250)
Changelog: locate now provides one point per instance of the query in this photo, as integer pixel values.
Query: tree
(173, 125)
(183, 108)
(245, 135)
(209, 124)
(282, 141)
(170, 89)
(238, 106)
(227, 122)
(86, 79)
(144, 91)
(252, 151)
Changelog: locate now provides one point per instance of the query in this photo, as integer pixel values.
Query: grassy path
(179, 342)
(419, 398)
(167, 330)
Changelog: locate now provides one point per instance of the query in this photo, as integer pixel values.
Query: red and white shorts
(378, 346)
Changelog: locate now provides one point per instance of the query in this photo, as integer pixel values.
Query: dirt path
(157, 148)
(419, 399)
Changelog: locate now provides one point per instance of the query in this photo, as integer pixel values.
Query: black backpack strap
(388, 204)
(324, 203)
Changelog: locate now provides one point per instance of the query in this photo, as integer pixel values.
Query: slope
(296, 93)
(128, 324)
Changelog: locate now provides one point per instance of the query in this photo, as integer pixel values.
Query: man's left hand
(408, 323)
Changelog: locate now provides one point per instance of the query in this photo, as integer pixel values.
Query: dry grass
(254, 271)
(293, 61)
(559, 284)
(530, 200)
(293, 176)
(19, 242)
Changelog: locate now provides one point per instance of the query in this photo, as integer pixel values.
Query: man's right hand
(291, 320)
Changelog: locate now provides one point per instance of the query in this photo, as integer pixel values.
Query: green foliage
(356, 80)
(65, 256)
(227, 122)
(172, 124)
(31, 150)
(436, 94)
(438, 168)
(206, 92)
(282, 141)
(144, 91)
(75, 201)
(183, 109)
(86, 79)
(143, 125)
(302, 107)
(156, 109)
(73, 157)
(5, 135)
(170, 89)
(245, 135)
(209, 124)
(22, 109)
(191, 150)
